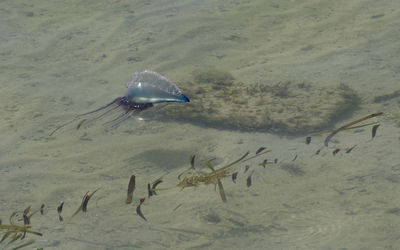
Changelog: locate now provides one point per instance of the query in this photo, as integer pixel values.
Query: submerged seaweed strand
(213, 177)
(329, 137)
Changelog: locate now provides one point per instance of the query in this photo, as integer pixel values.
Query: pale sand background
(61, 58)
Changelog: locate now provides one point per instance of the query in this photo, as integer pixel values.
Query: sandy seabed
(62, 58)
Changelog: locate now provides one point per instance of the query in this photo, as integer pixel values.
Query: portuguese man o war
(145, 89)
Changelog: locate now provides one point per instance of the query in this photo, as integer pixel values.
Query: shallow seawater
(62, 58)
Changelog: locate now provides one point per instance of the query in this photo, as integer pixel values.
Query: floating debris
(194, 178)
(17, 232)
(213, 177)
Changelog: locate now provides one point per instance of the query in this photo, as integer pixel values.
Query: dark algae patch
(219, 101)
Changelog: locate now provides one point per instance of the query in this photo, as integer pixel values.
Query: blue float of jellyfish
(143, 90)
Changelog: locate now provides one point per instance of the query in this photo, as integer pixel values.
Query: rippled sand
(59, 59)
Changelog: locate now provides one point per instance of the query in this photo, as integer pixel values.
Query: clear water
(62, 58)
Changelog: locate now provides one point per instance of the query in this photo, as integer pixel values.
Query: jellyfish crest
(151, 87)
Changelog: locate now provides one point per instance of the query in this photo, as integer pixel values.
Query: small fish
(192, 161)
(25, 217)
(264, 163)
(374, 128)
(26, 220)
(318, 151)
(150, 192)
(152, 187)
(155, 184)
(42, 209)
(131, 188)
(85, 201)
(248, 181)
(246, 168)
(260, 150)
(350, 149)
(59, 210)
(139, 210)
(234, 177)
(26, 211)
(336, 151)
(308, 140)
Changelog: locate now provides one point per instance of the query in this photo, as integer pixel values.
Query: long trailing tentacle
(101, 108)
(63, 125)
(123, 118)
(90, 112)
(134, 108)
(105, 113)
(118, 119)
